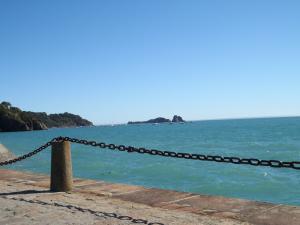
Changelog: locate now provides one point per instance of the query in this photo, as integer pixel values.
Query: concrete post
(61, 167)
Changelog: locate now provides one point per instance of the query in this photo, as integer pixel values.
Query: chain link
(184, 155)
(30, 154)
(180, 155)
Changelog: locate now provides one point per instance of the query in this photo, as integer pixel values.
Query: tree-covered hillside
(14, 119)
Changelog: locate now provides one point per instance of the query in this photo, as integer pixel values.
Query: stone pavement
(25, 199)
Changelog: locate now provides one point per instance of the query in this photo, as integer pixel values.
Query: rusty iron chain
(30, 154)
(181, 155)
(184, 155)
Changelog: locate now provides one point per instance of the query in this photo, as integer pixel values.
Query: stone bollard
(61, 167)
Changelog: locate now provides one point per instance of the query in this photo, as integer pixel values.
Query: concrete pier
(161, 206)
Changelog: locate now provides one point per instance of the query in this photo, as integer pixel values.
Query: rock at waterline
(177, 119)
(5, 154)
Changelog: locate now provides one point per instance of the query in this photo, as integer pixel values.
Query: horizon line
(226, 118)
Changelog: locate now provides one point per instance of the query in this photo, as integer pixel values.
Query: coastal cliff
(176, 119)
(14, 119)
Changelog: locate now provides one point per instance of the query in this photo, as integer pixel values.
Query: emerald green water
(276, 138)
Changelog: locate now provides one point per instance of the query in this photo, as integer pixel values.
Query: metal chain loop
(30, 154)
(181, 155)
(184, 155)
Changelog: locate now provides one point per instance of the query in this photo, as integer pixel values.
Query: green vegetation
(14, 119)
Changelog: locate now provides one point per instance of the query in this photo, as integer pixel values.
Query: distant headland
(14, 119)
(176, 119)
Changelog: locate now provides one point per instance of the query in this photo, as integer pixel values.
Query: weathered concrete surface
(5, 154)
(153, 205)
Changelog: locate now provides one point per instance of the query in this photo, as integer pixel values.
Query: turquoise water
(276, 138)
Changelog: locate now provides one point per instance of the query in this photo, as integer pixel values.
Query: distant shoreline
(217, 119)
(13, 119)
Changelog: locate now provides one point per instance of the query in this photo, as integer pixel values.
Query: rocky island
(176, 119)
(14, 119)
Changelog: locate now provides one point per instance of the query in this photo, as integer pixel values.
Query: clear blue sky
(114, 61)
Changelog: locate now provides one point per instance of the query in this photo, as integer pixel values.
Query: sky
(117, 61)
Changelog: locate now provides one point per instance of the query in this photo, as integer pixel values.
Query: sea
(266, 138)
